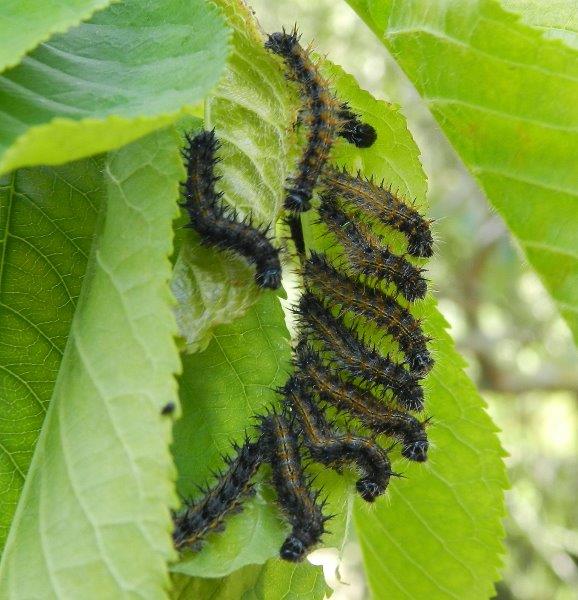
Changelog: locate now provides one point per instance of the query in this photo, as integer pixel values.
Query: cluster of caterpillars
(337, 370)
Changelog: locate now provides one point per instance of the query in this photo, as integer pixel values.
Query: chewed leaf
(251, 111)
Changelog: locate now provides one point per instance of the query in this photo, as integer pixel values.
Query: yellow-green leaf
(438, 534)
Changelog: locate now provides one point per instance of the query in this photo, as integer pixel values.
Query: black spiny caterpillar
(380, 203)
(325, 116)
(298, 501)
(217, 223)
(342, 290)
(355, 131)
(344, 349)
(223, 498)
(331, 447)
(354, 400)
(368, 255)
(336, 368)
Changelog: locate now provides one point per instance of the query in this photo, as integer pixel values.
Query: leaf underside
(48, 215)
(47, 219)
(100, 481)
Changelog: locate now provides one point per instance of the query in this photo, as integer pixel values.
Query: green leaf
(221, 390)
(101, 479)
(438, 534)
(250, 110)
(24, 24)
(275, 580)
(505, 97)
(558, 19)
(47, 222)
(131, 69)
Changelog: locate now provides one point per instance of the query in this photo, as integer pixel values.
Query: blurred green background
(520, 352)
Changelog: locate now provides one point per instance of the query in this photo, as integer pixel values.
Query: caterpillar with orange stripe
(343, 349)
(343, 290)
(364, 197)
(298, 501)
(330, 447)
(368, 255)
(325, 115)
(362, 404)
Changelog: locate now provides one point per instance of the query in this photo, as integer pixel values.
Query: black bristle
(224, 497)
(323, 122)
(294, 494)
